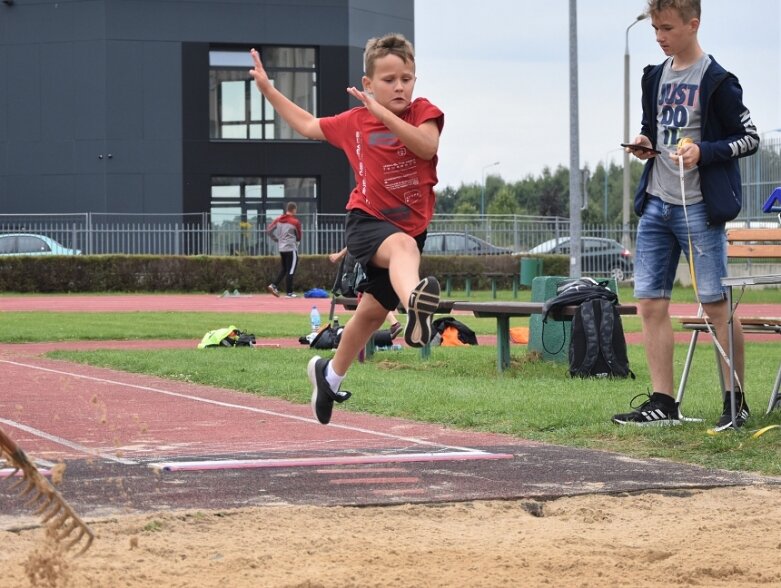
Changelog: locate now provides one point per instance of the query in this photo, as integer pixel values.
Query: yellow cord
(764, 430)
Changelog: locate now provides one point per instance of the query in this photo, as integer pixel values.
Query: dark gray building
(146, 107)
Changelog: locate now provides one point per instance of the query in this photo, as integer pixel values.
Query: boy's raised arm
(303, 122)
(423, 141)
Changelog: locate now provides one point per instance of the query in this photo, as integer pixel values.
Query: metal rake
(63, 522)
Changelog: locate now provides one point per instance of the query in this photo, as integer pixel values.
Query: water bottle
(314, 319)
(394, 347)
(336, 323)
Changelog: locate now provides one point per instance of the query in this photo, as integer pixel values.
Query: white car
(31, 244)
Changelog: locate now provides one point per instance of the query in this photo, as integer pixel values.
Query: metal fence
(99, 234)
(760, 175)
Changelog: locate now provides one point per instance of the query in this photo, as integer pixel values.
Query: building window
(242, 207)
(237, 111)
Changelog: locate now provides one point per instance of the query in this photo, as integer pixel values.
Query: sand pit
(717, 537)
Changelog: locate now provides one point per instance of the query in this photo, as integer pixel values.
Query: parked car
(456, 243)
(600, 257)
(30, 244)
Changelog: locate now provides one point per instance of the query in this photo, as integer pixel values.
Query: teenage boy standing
(693, 113)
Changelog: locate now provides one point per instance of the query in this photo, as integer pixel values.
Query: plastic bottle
(394, 347)
(314, 319)
(336, 322)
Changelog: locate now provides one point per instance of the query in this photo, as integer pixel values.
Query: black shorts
(364, 234)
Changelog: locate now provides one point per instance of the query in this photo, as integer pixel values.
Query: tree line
(544, 195)
(548, 193)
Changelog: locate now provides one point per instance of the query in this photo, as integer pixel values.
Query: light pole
(608, 162)
(482, 187)
(625, 238)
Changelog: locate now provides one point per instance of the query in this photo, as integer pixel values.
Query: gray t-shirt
(679, 115)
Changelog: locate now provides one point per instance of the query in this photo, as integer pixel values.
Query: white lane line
(234, 464)
(247, 408)
(66, 443)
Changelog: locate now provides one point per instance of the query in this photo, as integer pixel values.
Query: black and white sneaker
(323, 397)
(423, 302)
(741, 413)
(656, 411)
(273, 289)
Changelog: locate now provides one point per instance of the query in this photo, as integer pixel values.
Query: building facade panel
(109, 109)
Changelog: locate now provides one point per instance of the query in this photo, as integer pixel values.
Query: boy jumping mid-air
(391, 142)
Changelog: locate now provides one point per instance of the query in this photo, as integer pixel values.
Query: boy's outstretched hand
(260, 75)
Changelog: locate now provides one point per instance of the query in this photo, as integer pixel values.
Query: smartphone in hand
(643, 148)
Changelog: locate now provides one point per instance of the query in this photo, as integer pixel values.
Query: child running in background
(391, 142)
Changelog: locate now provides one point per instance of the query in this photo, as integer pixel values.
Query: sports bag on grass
(327, 337)
(464, 334)
(597, 345)
(227, 337)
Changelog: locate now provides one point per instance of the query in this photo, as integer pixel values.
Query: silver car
(31, 244)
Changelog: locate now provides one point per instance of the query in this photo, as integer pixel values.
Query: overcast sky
(499, 69)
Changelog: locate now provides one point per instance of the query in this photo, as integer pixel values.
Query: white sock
(334, 380)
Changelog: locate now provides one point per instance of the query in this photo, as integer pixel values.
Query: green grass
(26, 327)
(457, 387)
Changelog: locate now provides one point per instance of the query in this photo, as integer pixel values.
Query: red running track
(110, 427)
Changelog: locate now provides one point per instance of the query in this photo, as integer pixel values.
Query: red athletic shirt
(392, 183)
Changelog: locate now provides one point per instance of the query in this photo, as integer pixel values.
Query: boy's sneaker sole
(626, 419)
(652, 413)
(423, 303)
(323, 397)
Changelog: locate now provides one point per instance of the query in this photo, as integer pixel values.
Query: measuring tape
(725, 357)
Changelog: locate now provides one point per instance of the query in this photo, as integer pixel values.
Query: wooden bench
(504, 311)
(445, 306)
(747, 244)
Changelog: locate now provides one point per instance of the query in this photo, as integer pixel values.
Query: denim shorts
(661, 237)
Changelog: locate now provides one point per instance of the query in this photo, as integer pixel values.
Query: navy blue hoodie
(727, 134)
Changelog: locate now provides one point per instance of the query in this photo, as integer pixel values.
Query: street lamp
(625, 239)
(482, 187)
(608, 162)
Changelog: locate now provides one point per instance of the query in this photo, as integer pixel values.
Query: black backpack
(597, 345)
(572, 292)
(576, 291)
(352, 275)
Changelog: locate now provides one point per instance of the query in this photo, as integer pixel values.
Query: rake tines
(57, 514)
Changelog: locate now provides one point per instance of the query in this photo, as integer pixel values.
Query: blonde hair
(688, 9)
(391, 44)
